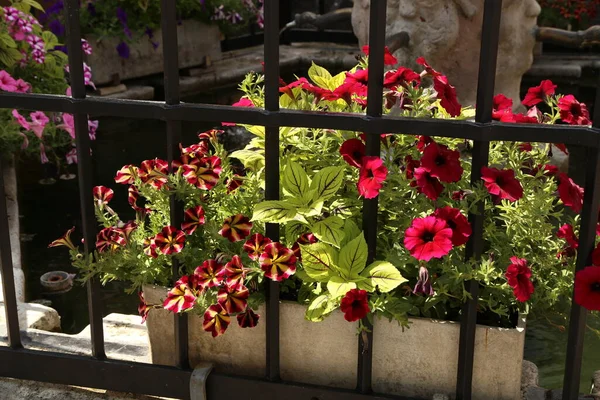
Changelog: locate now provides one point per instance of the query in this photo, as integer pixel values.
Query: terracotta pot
(416, 362)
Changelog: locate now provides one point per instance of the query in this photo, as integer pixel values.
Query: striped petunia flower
(255, 245)
(126, 175)
(182, 297)
(193, 218)
(248, 319)
(102, 195)
(170, 240)
(216, 320)
(210, 274)
(236, 228)
(233, 299)
(203, 172)
(110, 238)
(235, 272)
(154, 172)
(278, 262)
(65, 240)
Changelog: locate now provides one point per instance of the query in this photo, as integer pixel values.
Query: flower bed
(422, 185)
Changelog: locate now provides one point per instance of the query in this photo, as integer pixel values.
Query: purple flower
(56, 8)
(121, 16)
(56, 27)
(123, 50)
(423, 284)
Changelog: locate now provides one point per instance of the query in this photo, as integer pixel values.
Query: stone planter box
(198, 44)
(417, 362)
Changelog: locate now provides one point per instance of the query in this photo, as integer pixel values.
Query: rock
(33, 316)
(556, 394)
(440, 397)
(529, 375)
(448, 32)
(534, 393)
(596, 383)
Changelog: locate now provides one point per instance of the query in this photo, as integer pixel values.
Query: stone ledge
(33, 316)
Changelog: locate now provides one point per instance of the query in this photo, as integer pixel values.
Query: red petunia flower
(567, 233)
(248, 319)
(447, 94)
(255, 245)
(400, 77)
(409, 166)
(428, 68)
(170, 240)
(193, 218)
(234, 183)
(233, 299)
(203, 172)
(428, 238)
(525, 147)
(423, 141)
(234, 272)
(236, 228)
(110, 239)
(442, 163)
(143, 307)
(461, 228)
(509, 117)
(346, 91)
(423, 285)
(353, 151)
(355, 305)
(501, 106)
(573, 112)
(278, 262)
(150, 248)
(318, 92)
(216, 320)
(181, 297)
(518, 275)
(538, 94)
(372, 175)
(360, 77)
(287, 89)
(427, 184)
(587, 288)
(126, 175)
(388, 57)
(596, 256)
(154, 172)
(570, 193)
(502, 183)
(305, 238)
(65, 240)
(102, 195)
(210, 274)
(243, 102)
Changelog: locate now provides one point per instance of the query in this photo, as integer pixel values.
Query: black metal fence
(99, 372)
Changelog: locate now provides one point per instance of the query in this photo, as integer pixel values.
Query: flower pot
(416, 362)
(197, 42)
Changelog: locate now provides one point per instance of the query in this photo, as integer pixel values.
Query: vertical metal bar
(272, 174)
(8, 279)
(84, 167)
(485, 95)
(172, 97)
(587, 235)
(373, 148)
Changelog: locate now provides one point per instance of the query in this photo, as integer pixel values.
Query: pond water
(49, 210)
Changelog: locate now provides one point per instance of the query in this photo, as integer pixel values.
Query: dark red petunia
(427, 184)
(502, 183)
(447, 94)
(154, 172)
(525, 147)
(353, 151)
(573, 112)
(193, 218)
(428, 238)
(255, 245)
(304, 239)
(248, 319)
(278, 262)
(243, 102)
(461, 228)
(234, 183)
(596, 256)
(126, 175)
(110, 239)
(287, 89)
(442, 163)
(428, 68)
(203, 172)
(518, 275)
(423, 285)
(102, 195)
(236, 228)
(216, 320)
(570, 193)
(372, 175)
(143, 307)
(318, 92)
(400, 77)
(587, 288)
(210, 274)
(388, 57)
(509, 117)
(234, 272)
(538, 94)
(501, 106)
(460, 195)
(346, 92)
(182, 297)
(360, 77)
(423, 141)
(170, 240)
(233, 299)
(355, 305)
(409, 166)
(567, 233)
